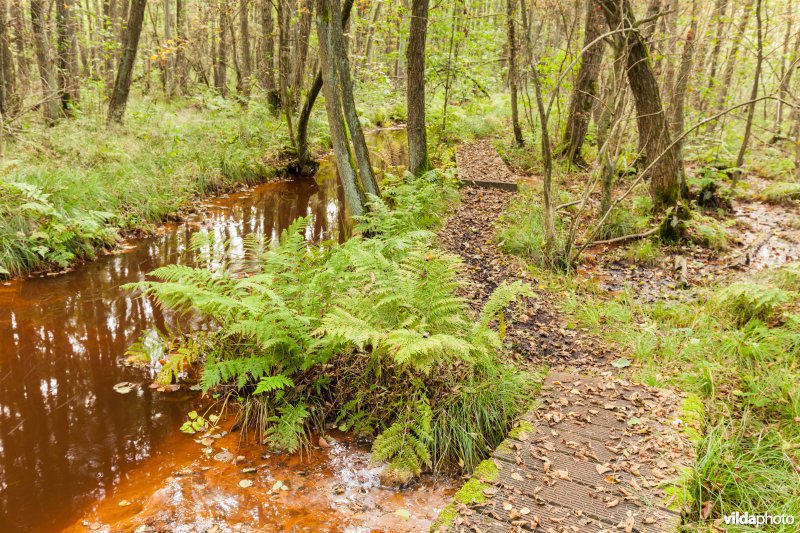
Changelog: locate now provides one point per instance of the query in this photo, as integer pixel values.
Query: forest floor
(543, 332)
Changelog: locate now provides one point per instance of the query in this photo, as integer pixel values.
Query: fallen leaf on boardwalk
(613, 503)
(507, 506)
(524, 511)
(602, 469)
(490, 491)
(633, 421)
(561, 474)
(517, 476)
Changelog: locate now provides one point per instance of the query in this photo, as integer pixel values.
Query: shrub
(371, 334)
(521, 232)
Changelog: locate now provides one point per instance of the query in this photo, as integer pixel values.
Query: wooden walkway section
(592, 457)
(480, 165)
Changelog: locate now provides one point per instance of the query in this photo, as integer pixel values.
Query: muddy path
(69, 443)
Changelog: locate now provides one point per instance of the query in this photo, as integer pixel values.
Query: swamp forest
(358, 265)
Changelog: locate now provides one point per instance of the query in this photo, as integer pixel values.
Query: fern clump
(370, 334)
(749, 301)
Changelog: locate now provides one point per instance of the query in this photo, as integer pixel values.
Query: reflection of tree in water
(65, 435)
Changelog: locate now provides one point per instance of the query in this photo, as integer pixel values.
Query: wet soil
(191, 487)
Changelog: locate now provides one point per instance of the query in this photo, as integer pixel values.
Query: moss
(678, 491)
(471, 492)
(523, 426)
(486, 471)
(692, 413)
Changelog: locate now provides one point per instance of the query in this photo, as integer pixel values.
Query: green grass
(781, 193)
(71, 189)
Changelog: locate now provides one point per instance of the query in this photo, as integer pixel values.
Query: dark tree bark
(651, 120)
(415, 94)
(43, 57)
(17, 23)
(326, 18)
(122, 85)
(67, 59)
(584, 95)
(512, 71)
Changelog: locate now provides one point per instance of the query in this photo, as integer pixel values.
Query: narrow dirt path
(592, 454)
(535, 334)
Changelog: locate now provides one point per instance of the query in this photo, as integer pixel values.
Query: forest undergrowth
(370, 335)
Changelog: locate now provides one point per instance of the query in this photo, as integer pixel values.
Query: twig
(625, 237)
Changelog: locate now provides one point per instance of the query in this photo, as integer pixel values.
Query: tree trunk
(7, 74)
(365, 172)
(786, 76)
(727, 76)
(512, 72)
(301, 47)
(751, 109)
(267, 70)
(326, 17)
(221, 66)
(719, 15)
(651, 120)
(167, 63)
(679, 92)
(246, 65)
(415, 94)
(122, 85)
(181, 65)
(304, 163)
(584, 95)
(18, 25)
(67, 59)
(46, 72)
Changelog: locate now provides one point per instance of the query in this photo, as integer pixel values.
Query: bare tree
(751, 109)
(512, 71)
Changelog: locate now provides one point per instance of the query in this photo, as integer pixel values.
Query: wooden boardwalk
(593, 456)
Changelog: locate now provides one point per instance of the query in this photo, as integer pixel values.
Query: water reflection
(66, 437)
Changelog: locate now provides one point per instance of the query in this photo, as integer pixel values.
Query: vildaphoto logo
(766, 519)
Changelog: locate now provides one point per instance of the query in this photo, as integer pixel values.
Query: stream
(76, 454)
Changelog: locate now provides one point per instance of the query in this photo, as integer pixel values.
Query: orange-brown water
(71, 446)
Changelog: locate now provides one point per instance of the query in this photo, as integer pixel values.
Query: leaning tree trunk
(415, 94)
(326, 17)
(651, 120)
(122, 85)
(512, 72)
(221, 67)
(301, 48)
(365, 172)
(43, 57)
(304, 163)
(584, 95)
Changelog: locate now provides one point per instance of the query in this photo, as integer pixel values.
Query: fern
(273, 383)
(406, 443)
(287, 431)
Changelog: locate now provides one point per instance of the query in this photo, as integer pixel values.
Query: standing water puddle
(72, 448)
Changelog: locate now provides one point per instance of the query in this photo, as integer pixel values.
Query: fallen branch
(568, 204)
(625, 237)
(746, 257)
